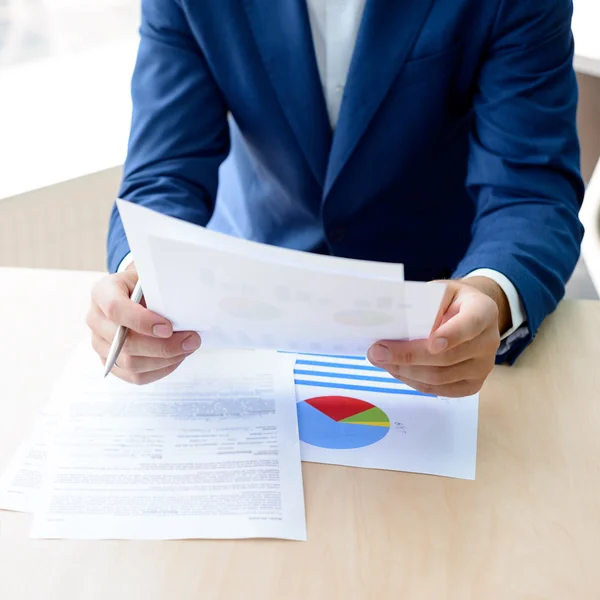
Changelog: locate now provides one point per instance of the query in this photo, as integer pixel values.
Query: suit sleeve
(524, 158)
(179, 133)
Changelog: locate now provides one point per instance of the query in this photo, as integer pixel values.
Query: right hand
(151, 351)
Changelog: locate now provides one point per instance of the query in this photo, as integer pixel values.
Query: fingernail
(439, 345)
(379, 353)
(191, 343)
(162, 331)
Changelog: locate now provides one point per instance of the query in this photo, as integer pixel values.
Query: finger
(476, 313)
(136, 344)
(416, 352)
(182, 342)
(436, 375)
(458, 389)
(392, 354)
(135, 364)
(443, 313)
(144, 378)
(386, 353)
(100, 325)
(112, 295)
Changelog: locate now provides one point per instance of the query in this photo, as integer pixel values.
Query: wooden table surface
(527, 528)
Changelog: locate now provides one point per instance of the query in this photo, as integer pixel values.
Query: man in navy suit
(436, 133)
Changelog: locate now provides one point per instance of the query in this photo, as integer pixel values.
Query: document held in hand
(238, 293)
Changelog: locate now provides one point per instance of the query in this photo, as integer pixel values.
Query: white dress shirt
(334, 25)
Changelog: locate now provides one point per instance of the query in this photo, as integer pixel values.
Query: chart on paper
(341, 422)
(354, 414)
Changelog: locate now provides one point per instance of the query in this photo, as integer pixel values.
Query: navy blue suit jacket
(455, 149)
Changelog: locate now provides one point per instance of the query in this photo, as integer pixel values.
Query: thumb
(465, 319)
(446, 310)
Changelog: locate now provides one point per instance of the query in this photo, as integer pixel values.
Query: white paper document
(238, 293)
(352, 413)
(349, 412)
(212, 451)
(21, 482)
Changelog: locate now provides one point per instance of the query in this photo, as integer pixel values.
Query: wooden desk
(527, 528)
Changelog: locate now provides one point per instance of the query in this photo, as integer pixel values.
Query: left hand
(461, 350)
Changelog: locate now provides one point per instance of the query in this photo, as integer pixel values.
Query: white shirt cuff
(517, 310)
(125, 262)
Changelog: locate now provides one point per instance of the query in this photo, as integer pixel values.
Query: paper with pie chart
(244, 294)
(353, 414)
(341, 422)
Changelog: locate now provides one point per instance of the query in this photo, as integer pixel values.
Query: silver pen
(119, 340)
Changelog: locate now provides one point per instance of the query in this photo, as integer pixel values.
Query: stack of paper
(214, 450)
(209, 452)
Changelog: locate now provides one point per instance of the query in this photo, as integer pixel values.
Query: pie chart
(340, 422)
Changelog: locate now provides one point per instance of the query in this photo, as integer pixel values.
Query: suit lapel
(386, 36)
(281, 29)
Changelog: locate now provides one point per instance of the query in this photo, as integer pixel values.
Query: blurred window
(65, 69)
